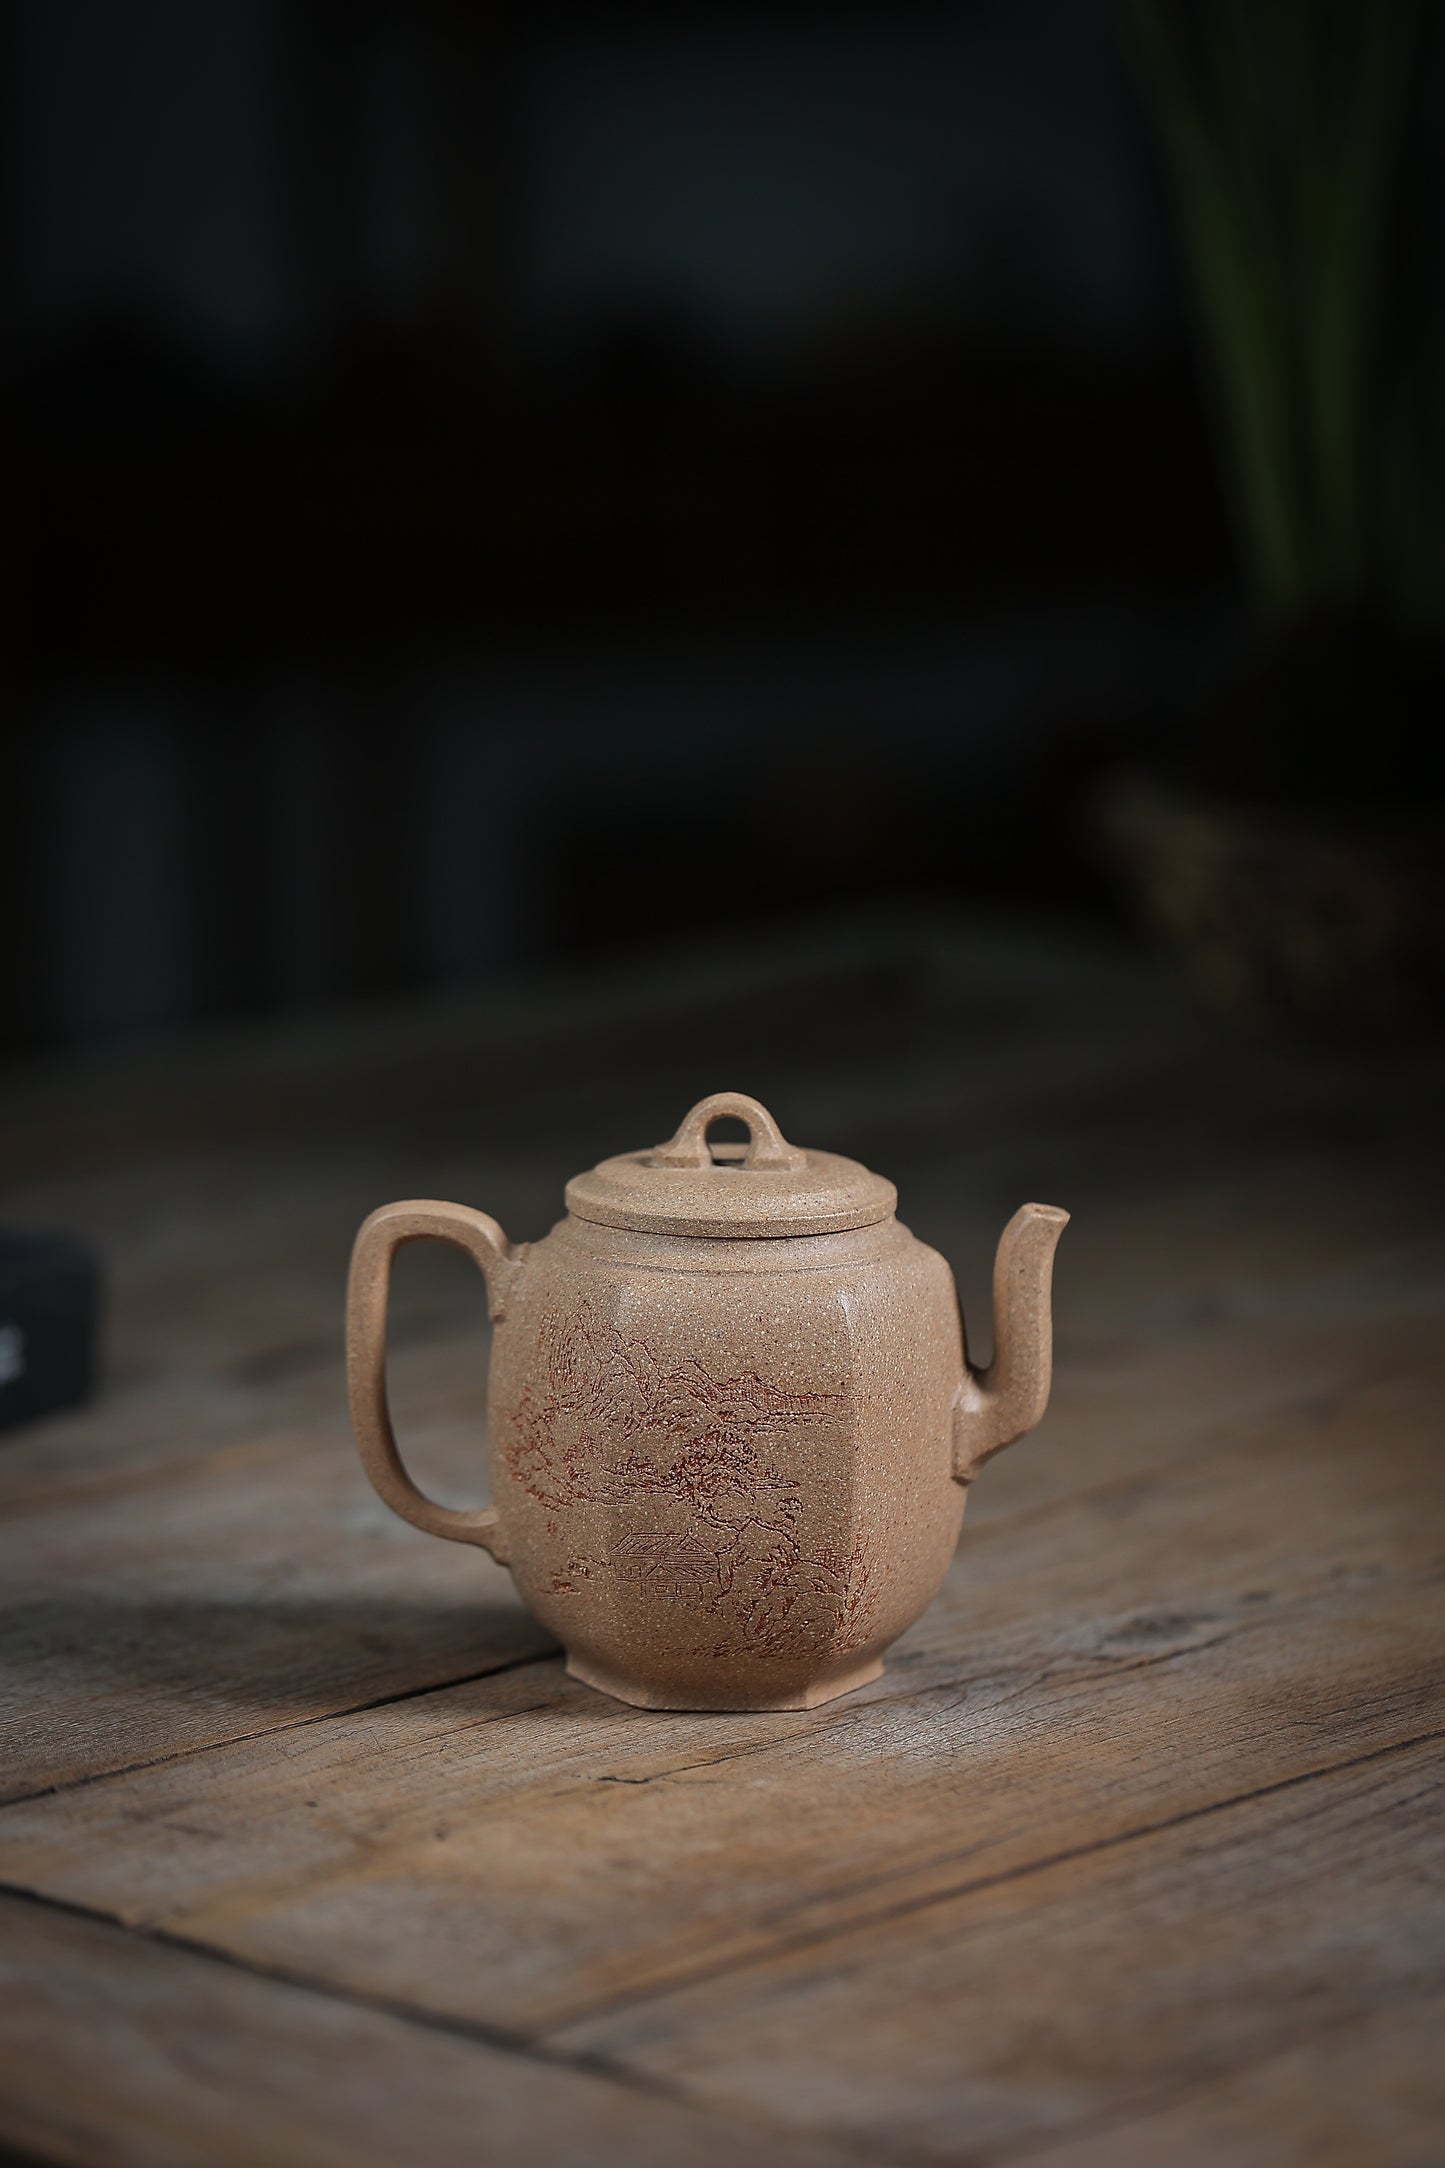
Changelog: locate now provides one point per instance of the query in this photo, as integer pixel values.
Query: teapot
(732, 1421)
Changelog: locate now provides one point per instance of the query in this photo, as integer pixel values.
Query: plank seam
(1063, 1671)
(541, 2050)
(1081, 1669)
(275, 1731)
(475, 2031)
(702, 1974)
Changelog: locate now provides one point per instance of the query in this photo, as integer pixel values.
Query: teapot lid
(763, 1187)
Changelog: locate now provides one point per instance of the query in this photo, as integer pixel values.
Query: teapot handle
(368, 1289)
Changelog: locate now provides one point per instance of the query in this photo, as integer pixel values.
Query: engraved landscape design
(695, 1470)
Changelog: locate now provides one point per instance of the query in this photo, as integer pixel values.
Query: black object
(49, 1325)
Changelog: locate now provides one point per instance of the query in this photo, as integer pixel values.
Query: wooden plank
(116, 2052)
(517, 1850)
(1113, 1987)
(1366, 2089)
(255, 1587)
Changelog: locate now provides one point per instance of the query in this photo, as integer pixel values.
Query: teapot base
(829, 1687)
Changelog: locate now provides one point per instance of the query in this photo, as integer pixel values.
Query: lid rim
(829, 1196)
(637, 1222)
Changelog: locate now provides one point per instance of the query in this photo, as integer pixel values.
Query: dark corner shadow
(282, 1654)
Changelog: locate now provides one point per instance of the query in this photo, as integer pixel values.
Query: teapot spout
(1004, 1402)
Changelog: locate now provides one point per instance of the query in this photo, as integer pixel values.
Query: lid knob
(766, 1147)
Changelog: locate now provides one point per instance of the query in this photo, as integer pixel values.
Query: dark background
(500, 487)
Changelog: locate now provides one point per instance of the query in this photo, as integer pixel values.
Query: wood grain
(1094, 1991)
(118, 2050)
(1366, 2088)
(249, 1588)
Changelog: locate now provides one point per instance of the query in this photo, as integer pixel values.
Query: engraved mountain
(696, 1472)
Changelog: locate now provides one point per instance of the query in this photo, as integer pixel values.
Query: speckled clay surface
(731, 1419)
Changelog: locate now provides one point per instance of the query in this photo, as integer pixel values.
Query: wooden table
(312, 1852)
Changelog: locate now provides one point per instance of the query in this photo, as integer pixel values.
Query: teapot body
(731, 1419)
(724, 1470)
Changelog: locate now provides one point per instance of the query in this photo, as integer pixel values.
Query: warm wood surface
(310, 1850)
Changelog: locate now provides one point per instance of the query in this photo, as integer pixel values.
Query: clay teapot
(732, 1420)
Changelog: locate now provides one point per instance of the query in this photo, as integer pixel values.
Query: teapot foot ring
(829, 1687)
